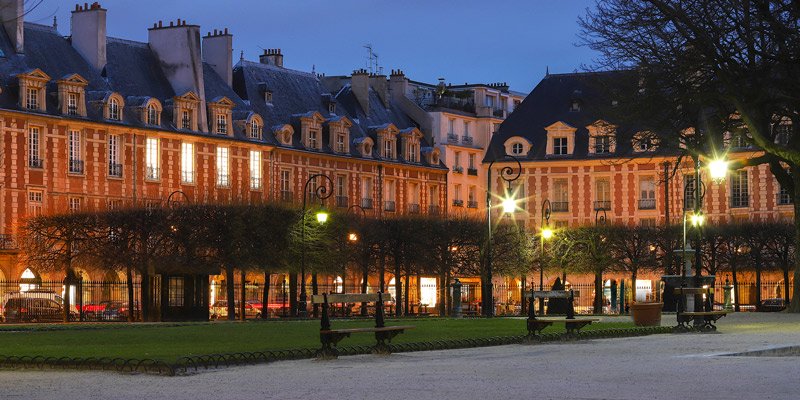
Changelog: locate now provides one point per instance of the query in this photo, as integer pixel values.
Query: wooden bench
(573, 325)
(703, 321)
(331, 337)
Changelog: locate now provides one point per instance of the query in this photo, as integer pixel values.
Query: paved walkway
(685, 366)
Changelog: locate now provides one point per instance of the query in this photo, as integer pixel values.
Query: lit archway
(29, 280)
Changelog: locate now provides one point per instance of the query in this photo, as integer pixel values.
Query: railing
(35, 163)
(452, 138)
(223, 180)
(740, 201)
(152, 173)
(433, 210)
(341, 201)
(455, 103)
(458, 203)
(472, 171)
(559, 206)
(366, 203)
(458, 169)
(784, 199)
(472, 204)
(499, 113)
(647, 204)
(7, 242)
(413, 208)
(389, 205)
(602, 205)
(76, 166)
(287, 196)
(115, 170)
(255, 183)
(187, 176)
(466, 140)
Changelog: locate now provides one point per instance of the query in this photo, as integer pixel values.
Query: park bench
(573, 325)
(331, 337)
(703, 321)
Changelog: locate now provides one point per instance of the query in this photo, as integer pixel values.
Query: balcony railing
(187, 176)
(76, 166)
(472, 171)
(455, 103)
(740, 201)
(458, 203)
(366, 203)
(255, 183)
(458, 169)
(559, 206)
(413, 208)
(35, 163)
(152, 173)
(287, 196)
(466, 140)
(433, 210)
(341, 201)
(389, 205)
(452, 138)
(499, 113)
(7, 242)
(472, 204)
(602, 204)
(223, 180)
(647, 204)
(115, 170)
(784, 199)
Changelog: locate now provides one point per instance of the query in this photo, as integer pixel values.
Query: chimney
(12, 13)
(272, 57)
(89, 33)
(380, 86)
(177, 47)
(398, 84)
(218, 53)
(359, 83)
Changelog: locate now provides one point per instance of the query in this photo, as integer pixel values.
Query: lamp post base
(302, 309)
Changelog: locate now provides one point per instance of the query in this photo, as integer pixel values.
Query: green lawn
(168, 342)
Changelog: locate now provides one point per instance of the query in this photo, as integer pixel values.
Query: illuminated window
(74, 204)
(35, 203)
(28, 280)
(75, 161)
(187, 162)
(223, 178)
(255, 169)
(114, 165)
(34, 156)
(427, 291)
(152, 159)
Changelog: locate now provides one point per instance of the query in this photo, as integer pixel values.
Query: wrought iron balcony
(602, 204)
(76, 166)
(647, 204)
(223, 180)
(433, 210)
(255, 183)
(472, 204)
(466, 140)
(472, 171)
(499, 113)
(458, 203)
(152, 173)
(413, 208)
(287, 196)
(458, 169)
(452, 138)
(740, 201)
(366, 203)
(341, 201)
(389, 205)
(559, 206)
(35, 163)
(115, 170)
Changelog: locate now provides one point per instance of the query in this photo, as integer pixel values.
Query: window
(286, 185)
(413, 150)
(451, 123)
(255, 169)
(176, 293)
(739, 141)
(472, 201)
(602, 144)
(186, 120)
(489, 101)
(457, 161)
(32, 99)
(75, 159)
(689, 189)
(268, 96)
(457, 193)
(223, 179)
(35, 203)
(152, 115)
(740, 196)
(152, 159)
(113, 109)
(313, 139)
(74, 204)
(516, 148)
(255, 130)
(114, 165)
(647, 222)
(340, 142)
(114, 205)
(34, 156)
(187, 162)
(466, 129)
(332, 108)
(575, 106)
(472, 161)
(782, 134)
(560, 201)
(388, 148)
(366, 193)
(390, 194)
(72, 103)
(784, 196)
(560, 146)
(647, 193)
(602, 194)
(222, 123)
(341, 191)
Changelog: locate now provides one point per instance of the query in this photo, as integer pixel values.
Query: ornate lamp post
(545, 234)
(321, 192)
(509, 206)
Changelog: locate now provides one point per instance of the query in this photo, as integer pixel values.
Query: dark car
(32, 309)
(773, 305)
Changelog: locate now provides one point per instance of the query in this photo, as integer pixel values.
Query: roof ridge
(272, 67)
(127, 41)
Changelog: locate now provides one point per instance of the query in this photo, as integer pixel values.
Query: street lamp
(509, 206)
(546, 234)
(321, 192)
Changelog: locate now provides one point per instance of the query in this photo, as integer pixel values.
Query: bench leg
(683, 325)
(382, 347)
(329, 342)
(535, 328)
(573, 329)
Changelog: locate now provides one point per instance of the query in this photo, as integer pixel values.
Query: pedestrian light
(322, 217)
(547, 233)
(718, 169)
(353, 237)
(509, 205)
(697, 220)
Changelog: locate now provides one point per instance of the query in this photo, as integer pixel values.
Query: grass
(170, 341)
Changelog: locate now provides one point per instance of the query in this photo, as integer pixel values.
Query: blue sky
(460, 40)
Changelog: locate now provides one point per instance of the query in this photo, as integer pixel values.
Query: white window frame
(187, 162)
(255, 170)
(34, 146)
(223, 166)
(152, 158)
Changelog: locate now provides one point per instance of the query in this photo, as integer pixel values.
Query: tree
(709, 69)
(633, 250)
(586, 249)
(781, 249)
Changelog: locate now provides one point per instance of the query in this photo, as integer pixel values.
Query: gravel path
(653, 367)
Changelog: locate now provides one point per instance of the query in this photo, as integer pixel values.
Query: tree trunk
(382, 272)
(364, 281)
(598, 293)
(758, 280)
(314, 290)
(230, 294)
(786, 282)
(794, 306)
(131, 304)
(632, 288)
(265, 297)
(243, 295)
(292, 294)
(735, 287)
(442, 306)
(398, 288)
(408, 294)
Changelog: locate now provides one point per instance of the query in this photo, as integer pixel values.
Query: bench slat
(704, 313)
(568, 320)
(367, 330)
(551, 294)
(693, 290)
(350, 298)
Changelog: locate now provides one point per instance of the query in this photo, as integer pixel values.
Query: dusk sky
(462, 41)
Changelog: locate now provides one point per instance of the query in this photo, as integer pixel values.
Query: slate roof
(550, 102)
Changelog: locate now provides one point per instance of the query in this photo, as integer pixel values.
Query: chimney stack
(272, 57)
(12, 13)
(359, 83)
(398, 84)
(177, 47)
(89, 33)
(380, 86)
(218, 52)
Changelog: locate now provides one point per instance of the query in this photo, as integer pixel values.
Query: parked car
(272, 309)
(220, 310)
(772, 305)
(118, 310)
(32, 309)
(39, 293)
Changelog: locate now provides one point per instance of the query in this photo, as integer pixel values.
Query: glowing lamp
(322, 217)
(718, 170)
(509, 205)
(352, 237)
(547, 233)
(698, 219)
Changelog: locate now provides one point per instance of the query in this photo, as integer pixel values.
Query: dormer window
(413, 152)
(220, 110)
(387, 140)
(331, 108)
(222, 124)
(644, 141)
(113, 110)
(32, 99)
(71, 91)
(32, 90)
(72, 103)
(152, 115)
(516, 149)
(339, 134)
(254, 129)
(341, 143)
(284, 134)
(185, 110)
(602, 144)
(268, 96)
(410, 139)
(186, 120)
(388, 149)
(560, 146)
(313, 139)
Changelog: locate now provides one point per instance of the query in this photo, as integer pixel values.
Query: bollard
(456, 299)
(728, 290)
